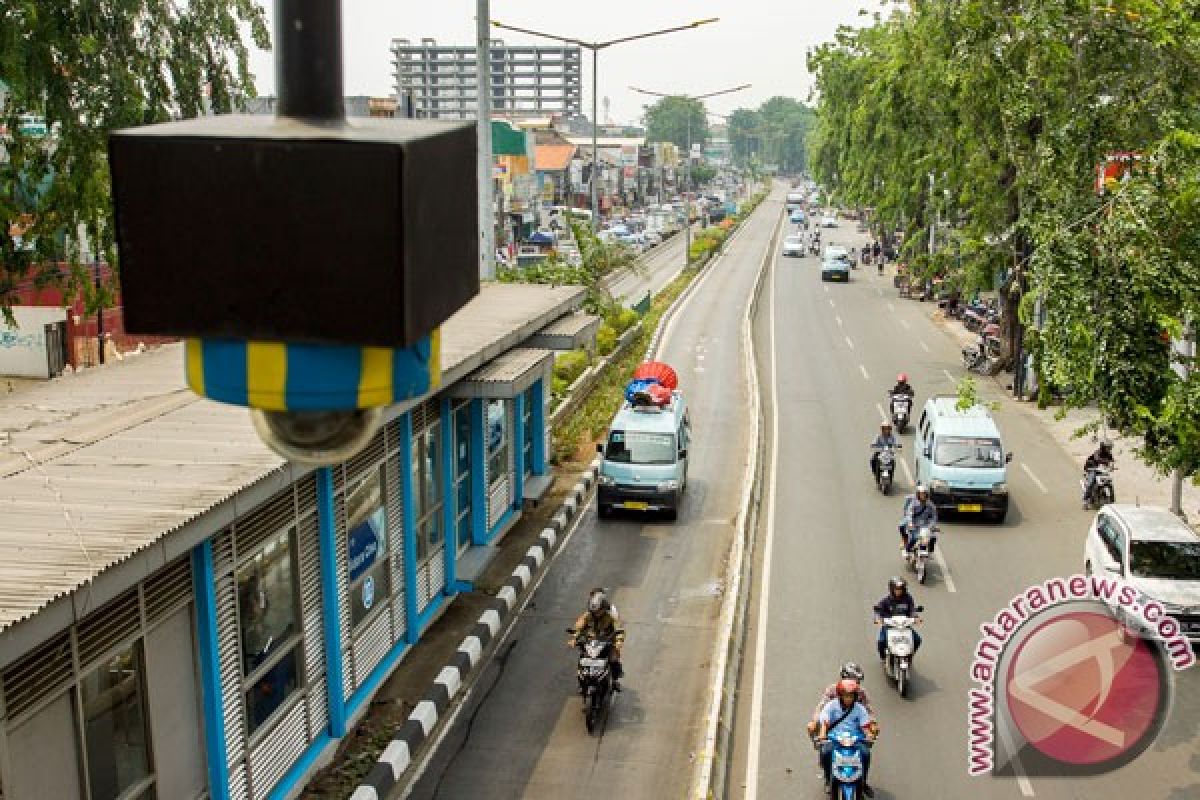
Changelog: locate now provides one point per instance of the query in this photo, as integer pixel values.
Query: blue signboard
(364, 542)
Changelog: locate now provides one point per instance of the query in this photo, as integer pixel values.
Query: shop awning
(567, 333)
(508, 375)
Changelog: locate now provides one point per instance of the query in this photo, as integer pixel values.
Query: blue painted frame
(298, 771)
(331, 619)
(450, 502)
(537, 421)
(517, 450)
(479, 500)
(205, 597)
(411, 625)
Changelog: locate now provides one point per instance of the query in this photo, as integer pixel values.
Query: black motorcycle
(885, 468)
(595, 676)
(900, 406)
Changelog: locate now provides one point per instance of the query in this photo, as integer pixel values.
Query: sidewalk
(416, 673)
(1135, 481)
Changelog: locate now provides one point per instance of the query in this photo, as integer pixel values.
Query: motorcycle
(885, 468)
(917, 558)
(1102, 492)
(901, 408)
(595, 677)
(975, 360)
(901, 644)
(845, 779)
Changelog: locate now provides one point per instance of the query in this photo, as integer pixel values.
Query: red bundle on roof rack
(660, 395)
(658, 371)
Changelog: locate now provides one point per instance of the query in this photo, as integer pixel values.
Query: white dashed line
(883, 417)
(949, 377)
(826, 288)
(839, 320)
(879, 291)
(924, 346)
(907, 472)
(864, 372)
(891, 308)
(831, 303)
(941, 561)
(849, 343)
(904, 324)
(1034, 478)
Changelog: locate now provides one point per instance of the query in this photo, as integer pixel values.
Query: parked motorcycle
(846, 765)
(1102, 492)
(901, 409)
(595, 677)
(983, 361)
(885, 468)
(901, 644)
(917, 558)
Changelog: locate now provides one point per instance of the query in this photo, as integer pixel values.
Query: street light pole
(596, 47)
(483, 87)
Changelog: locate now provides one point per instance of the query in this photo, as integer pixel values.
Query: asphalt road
(522, 734)
(656, 268)
(834, 546)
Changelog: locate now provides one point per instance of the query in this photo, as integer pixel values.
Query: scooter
(977, 361)
(901, 644)
(885, 468)
(917, 558)
(845, 779)
(1102, 492)
(595, 677)
(901, 408)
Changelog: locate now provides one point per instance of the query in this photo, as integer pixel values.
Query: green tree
(668, 121)
(85, 68)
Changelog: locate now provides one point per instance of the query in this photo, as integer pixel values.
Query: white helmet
(597, 601)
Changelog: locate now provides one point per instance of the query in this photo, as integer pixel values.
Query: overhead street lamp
(687, 227)
(596, 47)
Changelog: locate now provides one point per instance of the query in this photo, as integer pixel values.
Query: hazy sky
(761, 42)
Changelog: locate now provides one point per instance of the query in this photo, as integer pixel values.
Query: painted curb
(400, 753)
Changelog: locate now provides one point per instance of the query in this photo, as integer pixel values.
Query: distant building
(526, 80)
(356, 106)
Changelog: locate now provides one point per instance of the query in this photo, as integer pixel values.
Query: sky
(760, 42)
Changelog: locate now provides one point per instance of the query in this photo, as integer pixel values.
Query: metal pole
(308, 68)
(687, 191)
(1189, 352)
(483, 87)
(595, 146)
(99, 309)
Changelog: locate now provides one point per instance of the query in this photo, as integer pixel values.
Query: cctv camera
(320, 438)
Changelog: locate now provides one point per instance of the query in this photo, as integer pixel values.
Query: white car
(829, 222)
(793, 245)
(836, 251)
(1154, 552)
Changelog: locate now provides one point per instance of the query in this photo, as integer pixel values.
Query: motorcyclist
(600, 621)
(1103, 457)
(886, 440)
(846, 714)
(896, 603)
(850, 672)
(902, 386)
(919, 512)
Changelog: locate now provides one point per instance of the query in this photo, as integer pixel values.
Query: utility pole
(1188, 352)
(595, 147)
(483, 86)
(687, 193)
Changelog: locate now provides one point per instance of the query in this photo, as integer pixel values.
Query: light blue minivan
(960, 456)
(645, 459)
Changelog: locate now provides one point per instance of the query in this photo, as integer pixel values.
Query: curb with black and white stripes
(398, 756)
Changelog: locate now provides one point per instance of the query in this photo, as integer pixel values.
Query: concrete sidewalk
(1135, 481)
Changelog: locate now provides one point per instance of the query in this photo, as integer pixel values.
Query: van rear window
(968, 451)
(636, 447)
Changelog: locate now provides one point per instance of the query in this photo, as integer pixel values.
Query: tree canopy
(992, 117)
(776, 133)
(667, 121)
(72, 72)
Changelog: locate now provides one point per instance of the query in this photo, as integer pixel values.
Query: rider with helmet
(1103, 457)
(886, 440)
(902, 386)
(896, 603)
(919, 512)
(600, 621)
(850, 672)
(846, 713)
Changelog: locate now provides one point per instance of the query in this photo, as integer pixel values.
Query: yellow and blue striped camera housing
(287, 376)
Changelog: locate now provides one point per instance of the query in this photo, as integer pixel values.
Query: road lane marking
(891, 308)
(839, 320)
(831, 303)
(864, 372)
(907, 472)
(826, 288)
(949, 377)
(882, 415)
(849, 343)
(904, 324)
(879, 291)
(1034, 478)
(945, 568)
(760, 643)
(924, 346)
(1022, 781)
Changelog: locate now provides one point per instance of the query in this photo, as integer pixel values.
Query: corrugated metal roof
(570, 325)
(512, 365)
(97, 466)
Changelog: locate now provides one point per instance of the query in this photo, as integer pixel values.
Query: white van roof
(974, 421)
(663, 419)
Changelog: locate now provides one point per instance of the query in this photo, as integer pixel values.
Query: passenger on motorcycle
(896, 603)
(850, 672)
(885, 440)
(902, 386)
(600, 621)
(1103, 457)
(919, 512)
(846, 714)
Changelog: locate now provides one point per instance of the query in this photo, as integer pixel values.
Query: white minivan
(961, 458)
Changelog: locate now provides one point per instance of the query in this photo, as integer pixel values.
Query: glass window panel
(266, 601)
(269, 690)
(367, 545)
(115, 725)
(497, 439)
